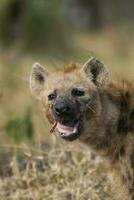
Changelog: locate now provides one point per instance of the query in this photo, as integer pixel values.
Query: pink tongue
(66, 129)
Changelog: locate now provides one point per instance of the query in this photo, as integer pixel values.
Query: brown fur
(70, 67)
(108, 117)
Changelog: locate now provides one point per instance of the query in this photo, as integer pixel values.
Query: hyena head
(70, 97)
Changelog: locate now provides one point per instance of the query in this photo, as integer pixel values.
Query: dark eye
(51, 96)
(78, 92)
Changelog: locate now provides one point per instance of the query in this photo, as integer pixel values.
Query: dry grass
(65, 172)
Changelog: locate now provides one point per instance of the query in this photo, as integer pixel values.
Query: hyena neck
(104, 134)
(112, 126)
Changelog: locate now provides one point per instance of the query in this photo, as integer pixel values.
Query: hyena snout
(65, 110)
(62, 109)
(66, 114)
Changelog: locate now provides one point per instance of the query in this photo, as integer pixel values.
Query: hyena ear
(37, 80)
(97, 72)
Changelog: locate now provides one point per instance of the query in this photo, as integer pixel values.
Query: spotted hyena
(81, 102)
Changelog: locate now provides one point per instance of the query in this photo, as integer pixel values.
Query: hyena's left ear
(37, 80)
(97, 72)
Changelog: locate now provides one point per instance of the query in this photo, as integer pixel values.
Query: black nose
(61, 109)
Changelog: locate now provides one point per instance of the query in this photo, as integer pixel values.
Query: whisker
(91, 109)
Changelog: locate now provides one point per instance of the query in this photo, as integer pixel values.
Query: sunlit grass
(62, 173)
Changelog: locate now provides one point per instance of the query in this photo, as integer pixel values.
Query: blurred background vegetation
(54, 33)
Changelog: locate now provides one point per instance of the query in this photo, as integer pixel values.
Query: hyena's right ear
(37, 80)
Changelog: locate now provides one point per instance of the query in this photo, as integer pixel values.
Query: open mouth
(69, 132)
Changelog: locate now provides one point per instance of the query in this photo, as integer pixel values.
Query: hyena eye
(78, 92)
(51, 96)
